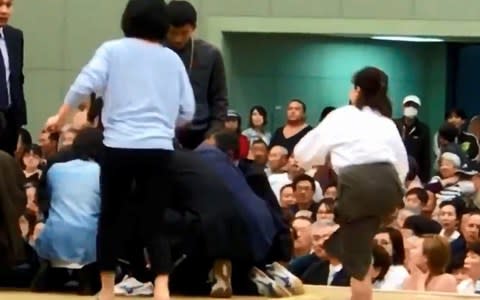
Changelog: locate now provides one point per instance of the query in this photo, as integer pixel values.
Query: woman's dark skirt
(367, 195)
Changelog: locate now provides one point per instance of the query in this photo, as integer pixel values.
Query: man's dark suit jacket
(16, 115)
(317, 274)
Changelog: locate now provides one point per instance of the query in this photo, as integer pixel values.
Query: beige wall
(60, 35)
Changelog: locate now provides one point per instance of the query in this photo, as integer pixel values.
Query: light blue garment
(70, 231)
(254, 135)
(146, 92)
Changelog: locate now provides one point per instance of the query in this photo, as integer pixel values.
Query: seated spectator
(257, 125)
(259, 152)
(48, 141)
(304, 189)
(450, 216)
(277, 160)
(233, 123)
(391, 239)
(454, 178)
(14, 251)
(303, 235)
(470, 227)
(31, 160)
(287, 199)
(287, 196)
(467, 141)
(325, 209)
(328, 270)
(472, 270)
(68, 236)
(330, 191)
(427, 262)
(416, 199)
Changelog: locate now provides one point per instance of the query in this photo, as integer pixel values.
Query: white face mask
(410, 112)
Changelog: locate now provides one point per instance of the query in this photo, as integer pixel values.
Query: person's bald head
(277, 158)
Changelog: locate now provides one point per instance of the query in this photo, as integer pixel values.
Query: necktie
(4, 102)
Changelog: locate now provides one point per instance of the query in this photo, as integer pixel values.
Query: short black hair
(458, 204)
(227, 141)
(325, 112)
(304, 106)
(448, 132)
(145, 19)
(182, 13)
(286, 187)
(456, 112)
(259, 141)
(89, 144)
(421, 194)
(303, 177)
(34, 148)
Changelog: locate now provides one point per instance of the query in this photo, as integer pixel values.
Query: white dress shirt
(6, 59)
(393, 280)
(332, 271)
(455, 235)
(352, 136)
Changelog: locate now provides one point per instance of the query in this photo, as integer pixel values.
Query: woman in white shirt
(146, 94)
(257, 125)
(364, 148)
(391, 239)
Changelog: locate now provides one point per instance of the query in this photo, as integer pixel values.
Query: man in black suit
(13, 113)
(328, 270)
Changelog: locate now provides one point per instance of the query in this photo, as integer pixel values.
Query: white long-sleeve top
(352, 136)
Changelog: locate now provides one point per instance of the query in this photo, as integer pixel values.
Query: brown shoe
(222, 278)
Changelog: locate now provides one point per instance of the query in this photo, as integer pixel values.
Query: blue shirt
(70, 231)
(146, 93)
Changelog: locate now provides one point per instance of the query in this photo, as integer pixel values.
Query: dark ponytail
(373, 84)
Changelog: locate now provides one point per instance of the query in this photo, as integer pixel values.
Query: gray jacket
(207, 75)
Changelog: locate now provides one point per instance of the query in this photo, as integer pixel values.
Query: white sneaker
(283, 277)
(266, 286)
(129, 286)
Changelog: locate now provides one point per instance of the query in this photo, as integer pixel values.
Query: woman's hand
(420, 277)
(54, 124)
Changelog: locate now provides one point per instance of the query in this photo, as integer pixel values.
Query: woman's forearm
(63, 113)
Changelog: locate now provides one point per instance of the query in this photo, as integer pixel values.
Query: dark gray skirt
(367, 195)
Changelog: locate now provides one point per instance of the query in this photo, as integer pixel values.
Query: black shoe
(41, 282)
(89, 280)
